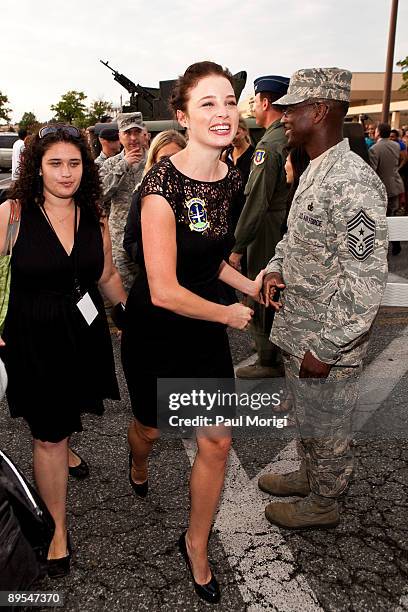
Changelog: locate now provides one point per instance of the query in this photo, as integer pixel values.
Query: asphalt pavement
(125, 552)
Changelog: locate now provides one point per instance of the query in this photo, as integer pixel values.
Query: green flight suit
(259, 226)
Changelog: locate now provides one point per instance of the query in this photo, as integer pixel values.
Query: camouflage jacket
(101, 159)
(119, 180)
(333, 260)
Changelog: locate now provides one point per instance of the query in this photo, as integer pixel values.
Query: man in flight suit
(332, 266)
(259, 226)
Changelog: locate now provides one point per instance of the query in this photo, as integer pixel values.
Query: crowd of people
(388, 157)
(294, 224)
(373, 135)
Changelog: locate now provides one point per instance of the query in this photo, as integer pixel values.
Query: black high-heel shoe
(79, 471)
(58, 568)
(209, 592)
(141, 489)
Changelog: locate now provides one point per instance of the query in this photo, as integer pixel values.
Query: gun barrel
(107, 65)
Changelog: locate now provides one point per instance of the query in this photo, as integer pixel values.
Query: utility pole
(390, 63)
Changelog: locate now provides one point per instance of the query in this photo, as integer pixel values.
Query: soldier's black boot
(313, 511)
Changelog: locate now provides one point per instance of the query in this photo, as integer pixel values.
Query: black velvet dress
(58, 365)
(158, 343)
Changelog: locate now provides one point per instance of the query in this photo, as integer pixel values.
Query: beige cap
(325, 83)
(127, 121)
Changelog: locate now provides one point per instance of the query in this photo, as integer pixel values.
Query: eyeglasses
(69, 130)
(290, 109)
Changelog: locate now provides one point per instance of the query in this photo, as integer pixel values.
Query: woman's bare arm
(160, 251)
(235, 279)
(110, 282)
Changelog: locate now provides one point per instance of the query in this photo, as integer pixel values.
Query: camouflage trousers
(324, 411)
(125, 266)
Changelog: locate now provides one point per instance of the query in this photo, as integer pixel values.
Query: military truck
(153, 103)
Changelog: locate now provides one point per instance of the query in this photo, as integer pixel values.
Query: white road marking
(381, 376)
(263, 565)
(262, 562)
(385, 372)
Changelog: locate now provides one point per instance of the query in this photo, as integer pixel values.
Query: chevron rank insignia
(361, 235)
(259, 157)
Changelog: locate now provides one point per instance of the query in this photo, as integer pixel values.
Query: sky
(50, 47)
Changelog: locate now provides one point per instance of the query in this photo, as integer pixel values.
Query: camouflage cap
(127, 121)
(325, 83)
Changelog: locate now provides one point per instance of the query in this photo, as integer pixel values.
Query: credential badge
(197, 215)
(361, 235)
(259, 157)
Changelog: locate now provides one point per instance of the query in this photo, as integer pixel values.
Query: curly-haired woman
(57, 348)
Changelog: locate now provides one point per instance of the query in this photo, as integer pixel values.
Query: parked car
(7, 139)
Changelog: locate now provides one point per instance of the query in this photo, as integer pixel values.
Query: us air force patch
(197, 215)
(361, 235)
(259, 157)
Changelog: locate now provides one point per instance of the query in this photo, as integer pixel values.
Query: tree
(70, 108)
(403, 64)
(97, 110)
(29, 122)
(4, 111)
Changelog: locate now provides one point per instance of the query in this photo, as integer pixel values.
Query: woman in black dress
(58, 351)
(176, 326)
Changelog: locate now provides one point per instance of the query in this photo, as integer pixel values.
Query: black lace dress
(158, 343)
(58, 365)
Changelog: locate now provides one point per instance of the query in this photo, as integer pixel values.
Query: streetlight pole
(390, 63)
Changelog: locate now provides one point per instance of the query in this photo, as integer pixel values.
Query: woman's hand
(2, 343)
(238, 316)
(256, 294)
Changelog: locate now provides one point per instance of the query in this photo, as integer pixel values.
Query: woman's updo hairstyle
(194, 74)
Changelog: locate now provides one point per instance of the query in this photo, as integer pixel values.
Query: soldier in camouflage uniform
(120, 175)
(259, 226)
(109, 141)
(332, 264)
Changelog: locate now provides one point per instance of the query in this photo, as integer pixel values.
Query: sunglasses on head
(69, 130)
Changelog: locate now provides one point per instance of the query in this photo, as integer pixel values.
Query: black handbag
(26, 529)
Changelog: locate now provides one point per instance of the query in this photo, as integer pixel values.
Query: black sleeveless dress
(158, 343)
(58, 365)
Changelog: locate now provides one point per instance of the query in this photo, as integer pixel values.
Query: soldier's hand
(312, 367)
(134, 156)
(239, 316)
(235, 260)
(271, 283)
